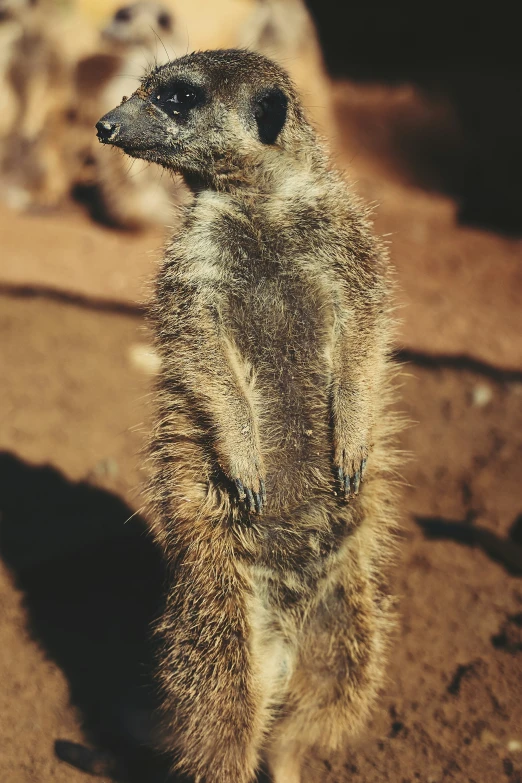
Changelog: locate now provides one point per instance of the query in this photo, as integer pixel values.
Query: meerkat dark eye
(177, 99)
(184, 97)
(123, 15)
(270, 109)
(165, 21)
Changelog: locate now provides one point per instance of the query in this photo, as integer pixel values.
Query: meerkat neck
(266, 176)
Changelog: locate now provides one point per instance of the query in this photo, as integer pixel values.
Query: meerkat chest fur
(254, 263)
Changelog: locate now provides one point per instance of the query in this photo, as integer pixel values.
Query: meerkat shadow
(92, 582)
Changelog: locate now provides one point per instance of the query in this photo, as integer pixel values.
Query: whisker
(140, 171)
(161, 42)
(133, 161)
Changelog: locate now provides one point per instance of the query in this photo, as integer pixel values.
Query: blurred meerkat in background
(10, 33)
(40, 44)
(284, 31)
(141, 34)
(138, 36)
(206, 23)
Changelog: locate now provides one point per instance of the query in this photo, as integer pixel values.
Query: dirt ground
(80, 581)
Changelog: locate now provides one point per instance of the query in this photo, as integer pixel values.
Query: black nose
(107, 131)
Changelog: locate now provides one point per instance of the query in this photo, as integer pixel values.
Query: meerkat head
(213, 116)
(139, 24)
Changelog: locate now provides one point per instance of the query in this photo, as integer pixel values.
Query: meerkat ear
(270, 108)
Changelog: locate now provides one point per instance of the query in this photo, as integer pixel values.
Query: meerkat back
(271, 454)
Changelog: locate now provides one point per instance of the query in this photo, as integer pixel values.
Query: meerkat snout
(107, 131)
(131, 127)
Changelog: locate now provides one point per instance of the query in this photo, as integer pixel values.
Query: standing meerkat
(271, 452)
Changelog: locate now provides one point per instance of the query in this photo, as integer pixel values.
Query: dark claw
(240, 489)
(350, 484)
(250, 499)
(259, 502)
(356, 482)
(254, 501)
(263, 492)
(347, 486)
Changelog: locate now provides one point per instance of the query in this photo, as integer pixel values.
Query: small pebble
(481, 395)
(514, 746)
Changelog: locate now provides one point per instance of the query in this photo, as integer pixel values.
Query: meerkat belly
(282, 330)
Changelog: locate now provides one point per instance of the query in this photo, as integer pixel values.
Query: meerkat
(40, 44)
(135, 196)
(284, 31)
(29, 67)
(10, 33)
(271, 491)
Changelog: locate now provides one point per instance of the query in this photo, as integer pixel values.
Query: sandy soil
(79, 584)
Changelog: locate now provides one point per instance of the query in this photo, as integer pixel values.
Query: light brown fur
(272, 320)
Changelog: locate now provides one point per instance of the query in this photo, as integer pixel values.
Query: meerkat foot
(350, 468)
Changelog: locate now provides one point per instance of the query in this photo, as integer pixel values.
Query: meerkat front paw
(254, 499)
(248, 478)
(350, 466)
